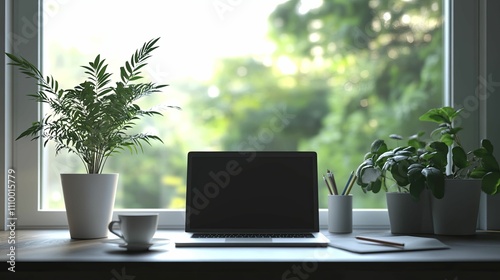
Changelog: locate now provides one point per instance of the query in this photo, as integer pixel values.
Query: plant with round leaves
(485, 167)
(93, 119)
(383, 166)
(429, 171)
(479, 163)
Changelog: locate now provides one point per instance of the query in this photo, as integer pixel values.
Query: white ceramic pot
(489, 209)
(457, 212)
(89, 201)
(408, 215)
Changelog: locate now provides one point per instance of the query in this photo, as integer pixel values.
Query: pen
(348, 183)
(379, 241)
(328, 186)
(332, 181)
(351, 184)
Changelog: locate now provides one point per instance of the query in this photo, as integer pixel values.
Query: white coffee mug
(136, 228)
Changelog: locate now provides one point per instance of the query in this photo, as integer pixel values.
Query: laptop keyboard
(252, 235)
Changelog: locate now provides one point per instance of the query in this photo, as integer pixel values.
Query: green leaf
(369, 174)
(416, 179)
(396, 137)
(378, 147)
(398, 158)
(439, 147)
(459, 157)
(486, 144)
(366, 162)
(447, 139)
(491, 183)
(438, 160)
(383, 158)
(376, 186)
(410, 149)
(435, 115)
(418, 135)
(489, 163)
(416, 143)
(399, 172)
(127, 65)
(481, 152)
(478, 173)
(405, 153)
(452, 113)
(416, 166)
(455, 130)
(417, 188)
(134, 78)
(435, 181)
(123, 74)
(448, 111)
(96, 61)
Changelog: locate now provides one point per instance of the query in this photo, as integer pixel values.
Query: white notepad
(411, 243)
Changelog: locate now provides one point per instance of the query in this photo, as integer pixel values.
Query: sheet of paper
(411, 243)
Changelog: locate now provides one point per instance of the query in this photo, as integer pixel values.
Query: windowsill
(43, 250)
(363, 218)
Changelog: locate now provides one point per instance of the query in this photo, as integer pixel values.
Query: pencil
(379, 241)
(332, 181)
(328, 186)
(351, 184)
(348, 183)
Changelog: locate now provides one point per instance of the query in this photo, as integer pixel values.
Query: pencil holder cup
(340, 213)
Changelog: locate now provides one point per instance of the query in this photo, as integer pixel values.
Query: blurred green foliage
(341, 75)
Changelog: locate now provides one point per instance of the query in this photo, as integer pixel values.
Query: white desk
(52, 254)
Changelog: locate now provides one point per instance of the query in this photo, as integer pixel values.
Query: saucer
(139, 246)
(136, 246)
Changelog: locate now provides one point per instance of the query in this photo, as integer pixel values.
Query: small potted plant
(93, 121)
(456, 193)
(387, 169)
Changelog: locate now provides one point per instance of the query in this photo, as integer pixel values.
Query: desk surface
(481, 251)
(56, 246)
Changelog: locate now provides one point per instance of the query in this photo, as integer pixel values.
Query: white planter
(89, 201)
(408, 215)
(457, 212)
(489, 209)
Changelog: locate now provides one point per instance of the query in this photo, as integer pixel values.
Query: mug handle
(110, 227)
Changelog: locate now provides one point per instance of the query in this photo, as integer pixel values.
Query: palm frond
(131, 70)
(93, 119)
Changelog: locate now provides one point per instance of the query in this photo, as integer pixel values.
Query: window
(325, 75)
(335, 82)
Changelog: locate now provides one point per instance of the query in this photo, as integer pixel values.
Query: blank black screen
(252, 192)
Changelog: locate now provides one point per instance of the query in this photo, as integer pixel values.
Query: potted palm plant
(456, 194)
(93, 121)
(387, 169)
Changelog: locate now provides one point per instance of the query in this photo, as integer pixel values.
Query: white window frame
(19, 36)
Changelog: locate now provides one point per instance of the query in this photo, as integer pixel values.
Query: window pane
(329, 76)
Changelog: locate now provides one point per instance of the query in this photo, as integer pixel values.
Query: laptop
(252, 198)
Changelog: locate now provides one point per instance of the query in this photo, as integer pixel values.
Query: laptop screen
(252, 192)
